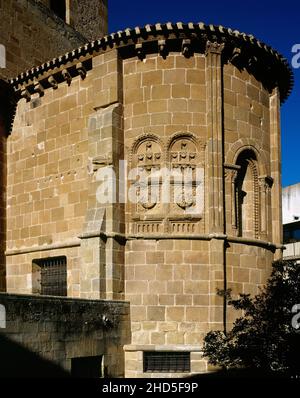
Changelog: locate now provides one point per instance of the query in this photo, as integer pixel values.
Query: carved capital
(231, 172)
(214, 48)
(265, 182)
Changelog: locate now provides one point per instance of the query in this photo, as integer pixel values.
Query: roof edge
(192, 30)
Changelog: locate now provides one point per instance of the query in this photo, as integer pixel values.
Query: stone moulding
(239, 48)
(123, 238)
(51, 246)
(52, 78)
(166, 347)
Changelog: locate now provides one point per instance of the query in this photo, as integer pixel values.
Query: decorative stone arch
(199, 147)
(182, 135)
(248, 144)
(246, 191)
(143, 138)
(261, 184)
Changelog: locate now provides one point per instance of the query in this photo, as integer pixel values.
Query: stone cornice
(243, 50)
(122, 238)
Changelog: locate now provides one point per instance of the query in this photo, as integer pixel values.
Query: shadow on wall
(17, 361)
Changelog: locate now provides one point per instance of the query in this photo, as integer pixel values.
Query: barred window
(167, 362)
(50, 276)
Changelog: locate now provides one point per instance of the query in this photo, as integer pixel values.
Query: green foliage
(264, 336)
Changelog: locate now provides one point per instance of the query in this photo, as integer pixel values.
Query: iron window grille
(52, 275)
(167, 362)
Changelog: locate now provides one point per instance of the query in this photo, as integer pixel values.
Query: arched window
(59, 7)
(246, 192)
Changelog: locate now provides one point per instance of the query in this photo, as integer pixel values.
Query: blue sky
(275, 23)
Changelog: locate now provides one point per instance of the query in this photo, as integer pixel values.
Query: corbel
(67, 77)
(162, 48)
(186, 48)
(139, 51)
(25, 94)
(53, 83)
(38, 88)
(81, 70)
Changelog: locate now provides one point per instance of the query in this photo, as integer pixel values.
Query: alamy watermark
(296, 57)
(296, 317)
(148, 188)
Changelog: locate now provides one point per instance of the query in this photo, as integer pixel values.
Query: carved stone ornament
(148, 160)
(214, 47)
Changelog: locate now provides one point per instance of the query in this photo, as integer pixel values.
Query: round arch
(248, 144)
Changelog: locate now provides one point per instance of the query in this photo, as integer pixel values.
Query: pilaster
(275, 146)
(215, 138)
(215, 179)
(102, 252)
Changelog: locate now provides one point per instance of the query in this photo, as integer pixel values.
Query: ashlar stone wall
(32, 34)
(170, 102)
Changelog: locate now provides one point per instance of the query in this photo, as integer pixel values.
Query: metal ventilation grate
(167, 362)
(53, 275)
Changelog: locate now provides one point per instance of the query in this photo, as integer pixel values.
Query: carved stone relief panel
(169, 187)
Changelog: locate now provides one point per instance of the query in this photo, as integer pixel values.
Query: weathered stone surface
(43, 35)
(59, 329)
